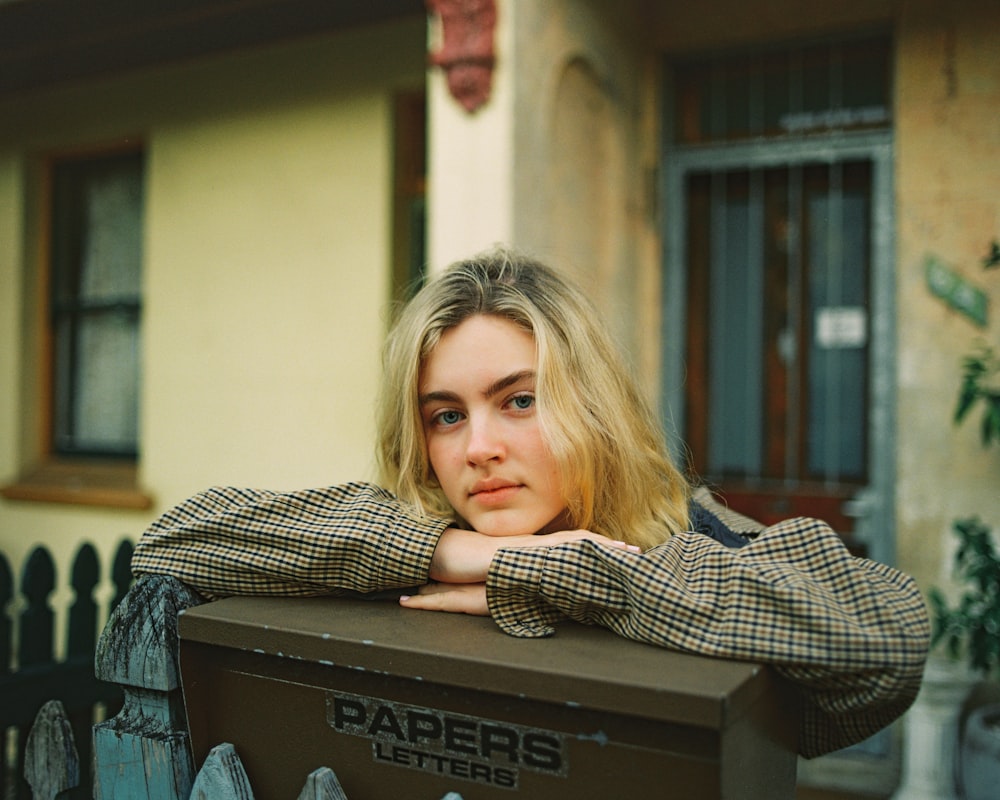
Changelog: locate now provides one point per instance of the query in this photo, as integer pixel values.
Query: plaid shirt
(852, 634)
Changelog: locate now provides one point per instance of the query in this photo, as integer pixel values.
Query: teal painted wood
(322, 784)
(144, 752)
(222, 776)
(51, 762)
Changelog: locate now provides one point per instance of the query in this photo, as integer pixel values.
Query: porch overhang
(48, 42)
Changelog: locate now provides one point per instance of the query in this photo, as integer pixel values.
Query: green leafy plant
(972, 627)
(980, 370)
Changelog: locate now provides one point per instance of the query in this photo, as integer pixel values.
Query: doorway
(778, 297)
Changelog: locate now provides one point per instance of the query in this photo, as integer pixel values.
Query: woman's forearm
(229, 541)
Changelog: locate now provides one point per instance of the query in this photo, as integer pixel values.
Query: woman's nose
(485, 442)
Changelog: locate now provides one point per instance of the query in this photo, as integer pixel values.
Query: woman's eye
(447, 417)
(522, 402)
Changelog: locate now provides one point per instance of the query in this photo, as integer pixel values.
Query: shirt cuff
(405, 557)
(513, 592)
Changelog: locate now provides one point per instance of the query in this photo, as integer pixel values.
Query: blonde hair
(617, 475)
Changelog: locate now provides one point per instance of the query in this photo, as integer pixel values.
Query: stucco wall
(266, 268)
(947, 205)
(586, 154)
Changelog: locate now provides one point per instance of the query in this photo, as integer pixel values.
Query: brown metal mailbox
(413, 705)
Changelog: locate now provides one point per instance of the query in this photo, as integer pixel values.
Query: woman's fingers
(457, 598)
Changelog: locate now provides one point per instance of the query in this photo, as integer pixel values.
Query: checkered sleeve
(228, 541)
(851, 634)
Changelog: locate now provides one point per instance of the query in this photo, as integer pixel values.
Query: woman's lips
(492, 492)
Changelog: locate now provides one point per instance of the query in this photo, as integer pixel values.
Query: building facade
(784, 209)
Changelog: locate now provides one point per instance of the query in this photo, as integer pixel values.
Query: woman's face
(477, 402)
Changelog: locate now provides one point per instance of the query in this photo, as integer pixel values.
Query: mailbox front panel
(406, 705)
(389, 737)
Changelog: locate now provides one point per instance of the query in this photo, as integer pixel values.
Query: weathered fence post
(35, 646)
(322, 784)
(222, 776)
(144, 751)
(51, 762)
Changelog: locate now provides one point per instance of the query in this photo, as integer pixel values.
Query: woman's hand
(462, 559)
(459, 598)
(465, 556)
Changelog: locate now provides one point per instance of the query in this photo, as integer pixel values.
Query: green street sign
(957, 292)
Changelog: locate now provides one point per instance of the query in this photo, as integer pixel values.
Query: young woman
(527, 479)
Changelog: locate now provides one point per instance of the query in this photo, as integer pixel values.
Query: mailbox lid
(580, 666)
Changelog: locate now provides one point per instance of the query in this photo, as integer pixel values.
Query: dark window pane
(97, 281)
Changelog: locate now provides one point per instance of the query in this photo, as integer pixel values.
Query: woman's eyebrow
(506, 382)
(437, 397)
(493, 389)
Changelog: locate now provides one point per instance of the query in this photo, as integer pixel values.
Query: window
(409, 187)
(96, 252)
(90, 397)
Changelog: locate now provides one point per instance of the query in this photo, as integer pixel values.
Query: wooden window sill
(80, 482)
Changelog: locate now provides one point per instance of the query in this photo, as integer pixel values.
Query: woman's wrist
(465, 556)
(462, 556)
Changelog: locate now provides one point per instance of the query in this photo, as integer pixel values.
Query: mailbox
(412, 705)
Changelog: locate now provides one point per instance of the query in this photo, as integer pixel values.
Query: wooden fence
(30, 676)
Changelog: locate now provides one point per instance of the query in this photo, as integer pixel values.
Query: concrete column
(471, 159)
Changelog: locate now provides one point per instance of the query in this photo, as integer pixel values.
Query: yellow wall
(266, 269)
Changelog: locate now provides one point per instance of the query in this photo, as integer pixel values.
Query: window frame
(47, 476)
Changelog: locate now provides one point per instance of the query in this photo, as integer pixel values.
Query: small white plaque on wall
(841, 327)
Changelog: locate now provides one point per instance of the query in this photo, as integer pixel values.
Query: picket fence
(30, 675)
(107, 721)
(51, 747)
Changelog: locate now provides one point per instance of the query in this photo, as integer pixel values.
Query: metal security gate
(778, 290)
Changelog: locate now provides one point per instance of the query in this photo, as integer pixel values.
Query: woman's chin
(515, 523)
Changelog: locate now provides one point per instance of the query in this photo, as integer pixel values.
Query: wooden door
(778, 320)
